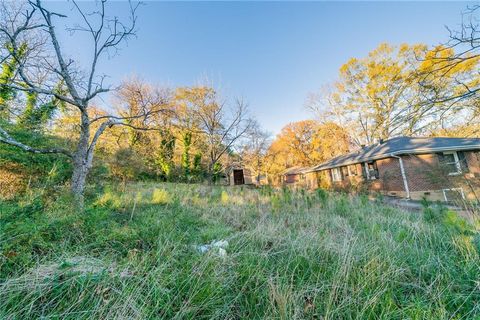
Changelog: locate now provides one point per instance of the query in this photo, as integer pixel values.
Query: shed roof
(294, 170)
(398, 146)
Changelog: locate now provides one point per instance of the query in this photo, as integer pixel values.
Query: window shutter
(463, 161)
(375, 169)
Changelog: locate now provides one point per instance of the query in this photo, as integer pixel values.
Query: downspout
(404, 176)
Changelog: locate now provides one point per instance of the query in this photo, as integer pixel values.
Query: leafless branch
(8, 139)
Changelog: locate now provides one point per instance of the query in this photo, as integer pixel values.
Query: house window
(352, 170)
(336, 174)
(451, 162)
(371, 170)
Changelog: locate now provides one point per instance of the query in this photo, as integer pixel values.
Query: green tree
(197, 166)
(36, 115)
(164, 159)
(9, 67)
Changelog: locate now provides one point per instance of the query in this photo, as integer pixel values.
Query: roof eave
(397, 153)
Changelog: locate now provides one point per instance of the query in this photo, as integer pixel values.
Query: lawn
(136, 254)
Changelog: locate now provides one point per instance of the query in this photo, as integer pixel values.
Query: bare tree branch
(6, 138)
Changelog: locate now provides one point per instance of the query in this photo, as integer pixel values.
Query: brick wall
(423, 172)
(426, 177)
(473, 161)
(348, 183)
(311, 180)
(291, 178)
(390, 176)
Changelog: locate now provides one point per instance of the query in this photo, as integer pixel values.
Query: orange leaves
(306, 143)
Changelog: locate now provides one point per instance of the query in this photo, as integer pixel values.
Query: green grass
(291, 255)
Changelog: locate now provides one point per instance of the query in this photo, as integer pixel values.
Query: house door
(238, 177)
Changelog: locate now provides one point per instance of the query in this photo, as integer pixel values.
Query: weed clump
(341, 205)
(224, 198)
(161, 196)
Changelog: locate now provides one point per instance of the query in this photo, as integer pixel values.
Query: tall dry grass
(291, 255)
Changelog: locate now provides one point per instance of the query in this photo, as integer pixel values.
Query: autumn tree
(381, 95)
(294, 144)
(331, 140)
(449, 75)
(151, 138)
(220, 124)
(306, 143)
(43, 66)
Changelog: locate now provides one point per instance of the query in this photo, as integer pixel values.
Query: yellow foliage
(389, 92)
(161, 196)
(224, 198)
(306, 143)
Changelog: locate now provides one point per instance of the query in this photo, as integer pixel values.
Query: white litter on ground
(217, 246)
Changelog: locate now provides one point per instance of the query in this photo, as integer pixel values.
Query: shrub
(19, 169)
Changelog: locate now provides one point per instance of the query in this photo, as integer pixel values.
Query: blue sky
(273, 54)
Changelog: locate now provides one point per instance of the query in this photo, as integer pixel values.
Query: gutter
(404, 176)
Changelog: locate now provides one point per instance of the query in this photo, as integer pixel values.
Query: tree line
(52, 104)
(44, 90)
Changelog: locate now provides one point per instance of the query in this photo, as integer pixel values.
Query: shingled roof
(398, 146)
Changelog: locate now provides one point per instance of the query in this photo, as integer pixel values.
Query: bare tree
(43, 66)
(254, 149)
(221, 124)
(460, 53)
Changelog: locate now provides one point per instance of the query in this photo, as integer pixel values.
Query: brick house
(435, 168)
(292, 176)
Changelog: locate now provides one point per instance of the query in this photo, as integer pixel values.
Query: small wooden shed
(239, 175)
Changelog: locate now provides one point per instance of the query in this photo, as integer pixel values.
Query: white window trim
(453, 189)
(368, 172)
(350, 172)
(457, 163)
(338, 176)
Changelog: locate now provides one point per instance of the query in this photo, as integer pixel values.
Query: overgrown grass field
(135, 254)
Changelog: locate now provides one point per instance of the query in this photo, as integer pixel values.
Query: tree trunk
(210, 175)
(82, 162)
(79, 177)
